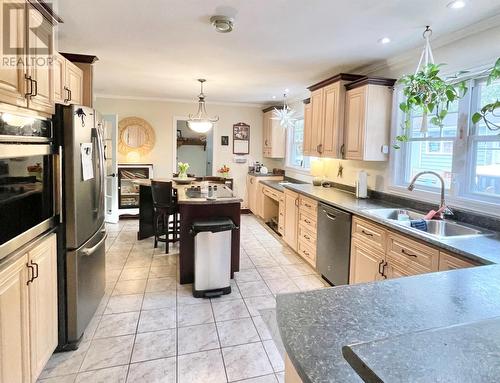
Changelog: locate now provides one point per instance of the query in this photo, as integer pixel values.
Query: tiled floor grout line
(218, 340)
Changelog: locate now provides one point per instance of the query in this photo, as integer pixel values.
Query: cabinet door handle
(67, 92)
(305, 252)
(381, 272)
(307, 237)
(407, 253)
(297, 202)
(307, 205)
(70, 95)
(36, 87)
(32, 269)
(342, 151)
(366, 233)
(36, 269)
(30, 93)
(320, 148)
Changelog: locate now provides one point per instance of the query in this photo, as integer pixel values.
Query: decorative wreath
(145, 127)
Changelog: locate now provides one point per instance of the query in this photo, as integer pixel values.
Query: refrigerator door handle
(93, 249)
(60, 191)
(101, 168)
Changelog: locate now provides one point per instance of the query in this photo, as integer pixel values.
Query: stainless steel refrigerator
(82, 234)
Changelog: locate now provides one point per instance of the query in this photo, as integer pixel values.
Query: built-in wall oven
(28, 183)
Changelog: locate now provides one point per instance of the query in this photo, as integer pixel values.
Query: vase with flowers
(183, 168)
(224, 171)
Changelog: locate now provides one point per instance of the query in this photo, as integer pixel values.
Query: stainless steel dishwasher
(334, 244)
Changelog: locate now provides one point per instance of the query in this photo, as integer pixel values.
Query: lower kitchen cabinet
(14, 323)
(366, 263)
(378, 253)
(28, 313)
(291, 375)
(451, 262)
(291, 218)
(43, 305)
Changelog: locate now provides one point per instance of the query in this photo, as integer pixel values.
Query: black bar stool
(165, 206)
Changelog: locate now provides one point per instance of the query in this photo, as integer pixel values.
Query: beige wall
(160, 114)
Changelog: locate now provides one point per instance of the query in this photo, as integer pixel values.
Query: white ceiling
(158, 48)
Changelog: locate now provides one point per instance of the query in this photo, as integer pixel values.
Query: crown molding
(178, 100)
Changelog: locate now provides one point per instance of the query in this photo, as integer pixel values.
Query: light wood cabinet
(366, 263)
(323, 136)
(28, 313)
(449, 261)
(367, 120)
(74, 83)
(291, 218)
(254, 195)
(307, 231)
(306, 145)
(14, 323)
(13, 81)
(42, 92)
(68, 81)
(378, 253)
(43, 304)
(282, 214)
(274, 136)
(291, 375)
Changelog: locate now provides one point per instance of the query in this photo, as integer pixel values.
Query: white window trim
(463, 202)
(288, 166)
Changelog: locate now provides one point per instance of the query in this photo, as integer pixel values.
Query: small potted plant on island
(183, 168)
(224, 171)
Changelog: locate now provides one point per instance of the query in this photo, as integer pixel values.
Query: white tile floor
(149, 328)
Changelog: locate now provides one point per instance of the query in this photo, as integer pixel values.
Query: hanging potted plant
(490, 110)
(425, 91)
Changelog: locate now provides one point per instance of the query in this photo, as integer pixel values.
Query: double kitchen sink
(440, 229)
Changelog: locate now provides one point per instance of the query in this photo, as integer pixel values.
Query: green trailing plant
(489, 109)
(425, 91)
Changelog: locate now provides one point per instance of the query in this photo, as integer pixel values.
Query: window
(467, 156)
(295, 156)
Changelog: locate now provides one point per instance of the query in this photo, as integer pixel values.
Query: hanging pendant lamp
(286, 115)
(200, 122)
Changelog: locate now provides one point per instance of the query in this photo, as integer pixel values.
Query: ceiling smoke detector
(222, 24)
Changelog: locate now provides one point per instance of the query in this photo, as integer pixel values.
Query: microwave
(28, 180)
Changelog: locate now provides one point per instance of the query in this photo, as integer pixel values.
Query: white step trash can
(212, 257)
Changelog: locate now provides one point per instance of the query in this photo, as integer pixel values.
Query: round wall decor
(135, 134)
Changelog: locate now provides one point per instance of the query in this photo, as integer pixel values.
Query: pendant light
(286, 115)
(200, 122)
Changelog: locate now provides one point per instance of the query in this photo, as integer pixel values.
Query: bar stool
(165, 206)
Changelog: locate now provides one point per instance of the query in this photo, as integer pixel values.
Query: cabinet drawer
(412, 253)
(308, 221)
(449, 261)
(369, 233)
(271, 193)
(307, 252)
(307, 236)
(308, 205)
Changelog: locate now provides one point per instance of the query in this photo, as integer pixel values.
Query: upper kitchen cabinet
(368, 118)
(40, 49)
(26, 75)
(68, 81)
(13, 82)
(274, 135)
(324, 134)
(73, 75)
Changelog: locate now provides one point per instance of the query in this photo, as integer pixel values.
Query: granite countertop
(183, 199)
(315, 325)
(484, 249)
(265, 175)
(273, 184)
(461, 353)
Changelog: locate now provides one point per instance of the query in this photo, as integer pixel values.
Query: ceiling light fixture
(384, 40)
(456, 4)
(222, 24)
(286, 115)
(200, 122)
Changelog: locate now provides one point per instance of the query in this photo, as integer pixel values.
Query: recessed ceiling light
(384, 40)
(274, 97)
(222, 24)
(456, 4)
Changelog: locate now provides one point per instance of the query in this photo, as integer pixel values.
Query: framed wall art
(241, 138)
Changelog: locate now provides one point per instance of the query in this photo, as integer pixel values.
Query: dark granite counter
(484, 249)
(462, 353)
(315, 325)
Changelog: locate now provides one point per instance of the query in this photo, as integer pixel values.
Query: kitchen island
(316, 326)
(193, 207)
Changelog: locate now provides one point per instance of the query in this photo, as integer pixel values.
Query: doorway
(193, 148)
